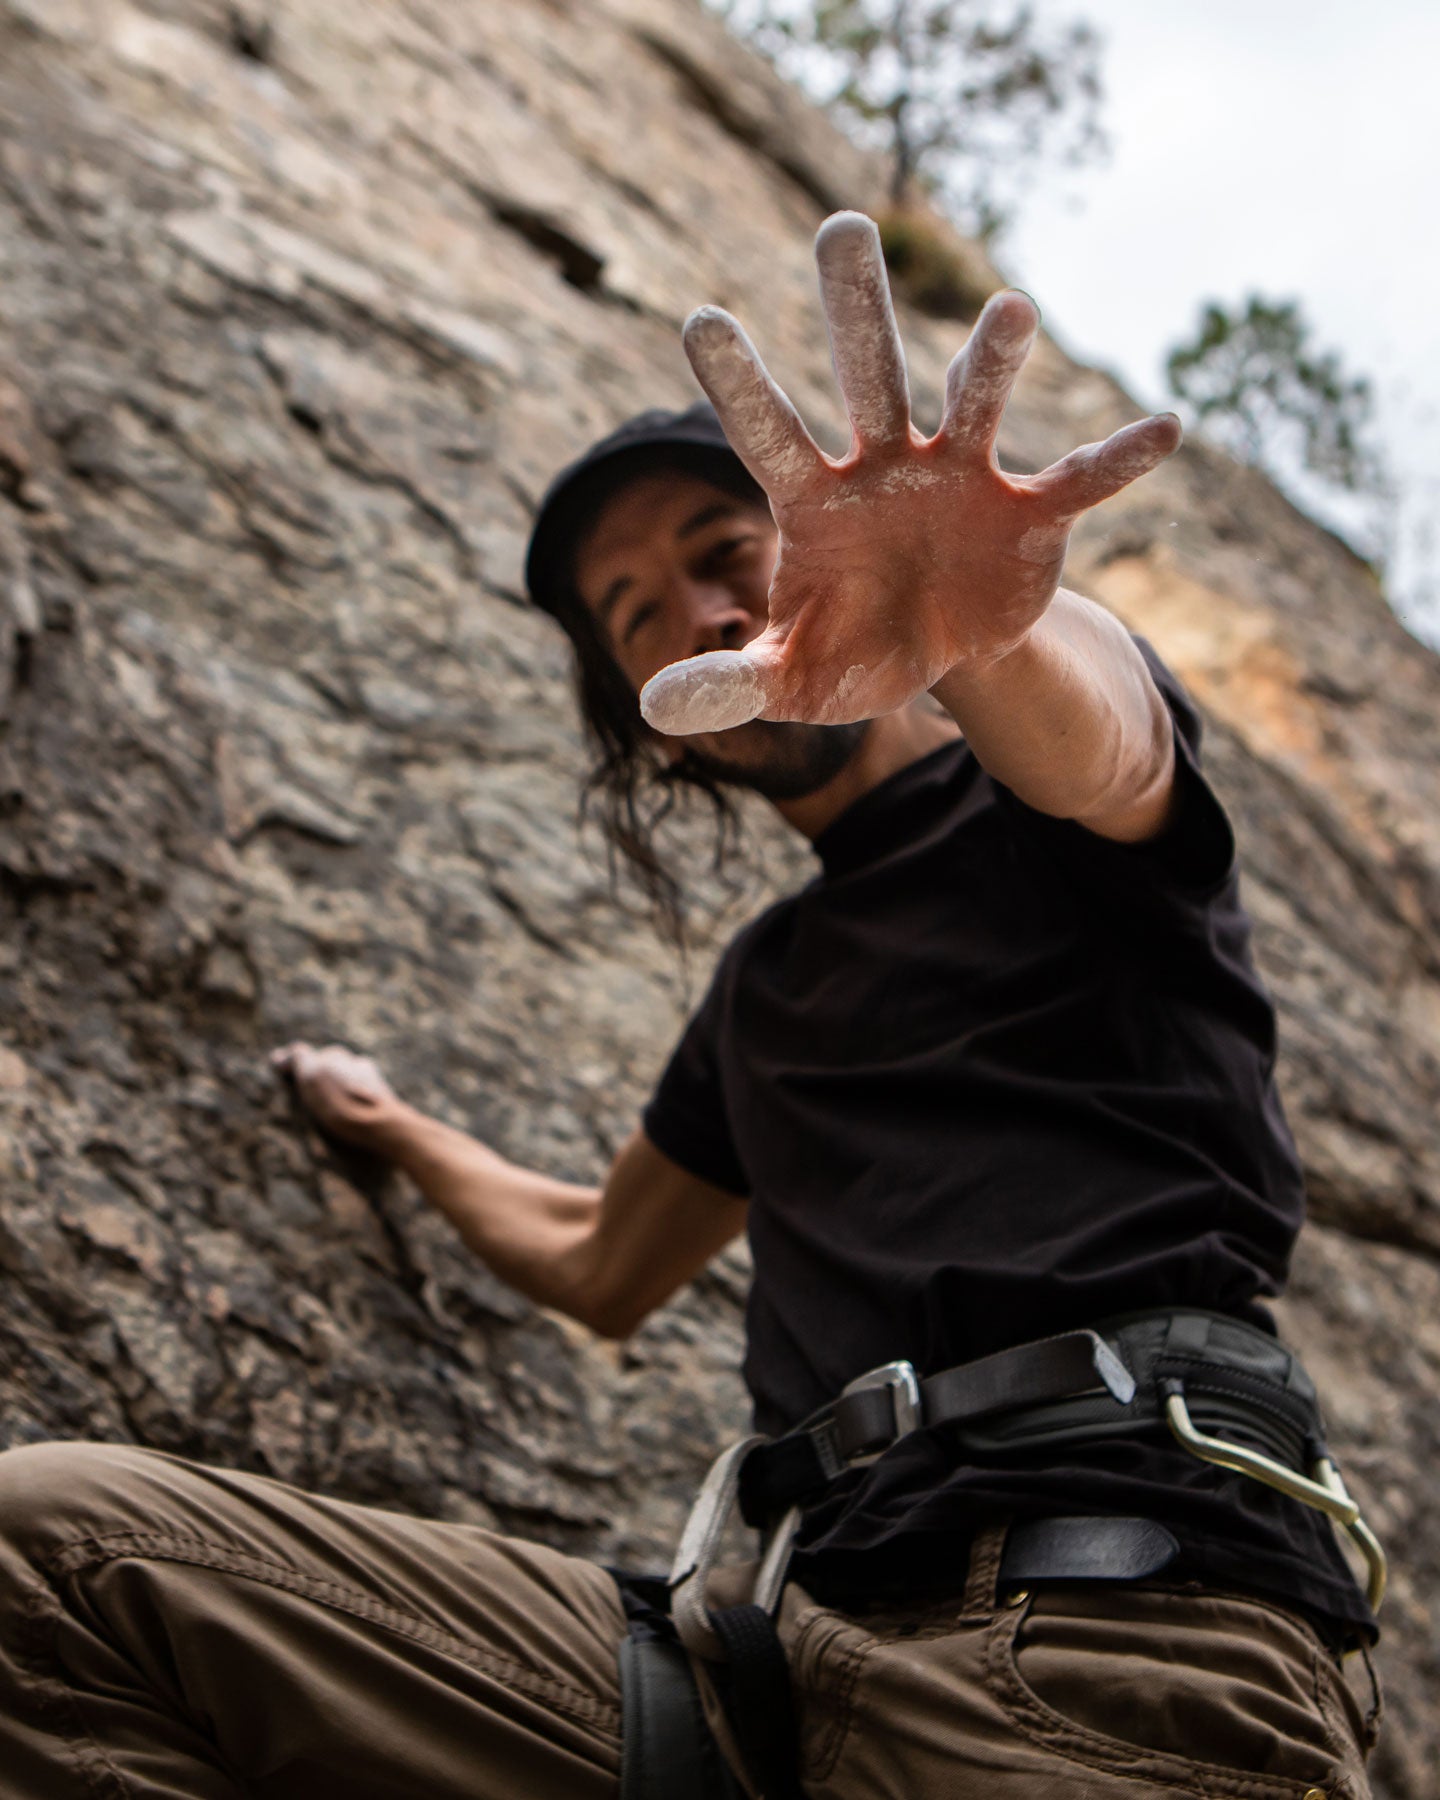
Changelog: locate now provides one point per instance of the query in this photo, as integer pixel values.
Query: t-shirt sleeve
(686, 1117)
(1191, 860)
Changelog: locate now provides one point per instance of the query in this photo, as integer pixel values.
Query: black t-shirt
(989, 1077)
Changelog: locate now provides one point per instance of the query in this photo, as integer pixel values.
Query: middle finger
(864, 339)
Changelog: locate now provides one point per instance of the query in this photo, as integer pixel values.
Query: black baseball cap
(692, 441)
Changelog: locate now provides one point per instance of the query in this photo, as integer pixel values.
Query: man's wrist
(975, 677)
(1071, 721)
(418, 1144)
(398, 1132)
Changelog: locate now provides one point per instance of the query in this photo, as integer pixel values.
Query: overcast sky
(1286, 147)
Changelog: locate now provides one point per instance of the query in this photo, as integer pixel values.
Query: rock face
(299, 306)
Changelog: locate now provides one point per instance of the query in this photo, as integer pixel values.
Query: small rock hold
(215, 1303)
(250, 34)
(13, 1072)
(120, 1228)
(24, 607)
(228, 976)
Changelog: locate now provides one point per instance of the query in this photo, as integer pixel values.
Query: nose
(716, 620)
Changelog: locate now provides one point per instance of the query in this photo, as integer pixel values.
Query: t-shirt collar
(882, 818)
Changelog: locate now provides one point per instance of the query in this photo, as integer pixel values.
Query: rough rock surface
(299, 305)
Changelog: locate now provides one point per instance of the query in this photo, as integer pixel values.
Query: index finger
(764, 429)
(1096, 471)
(980, 378)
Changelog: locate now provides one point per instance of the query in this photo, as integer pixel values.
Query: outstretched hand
(908, 556)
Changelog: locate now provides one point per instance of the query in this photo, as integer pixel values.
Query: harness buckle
(907, 1409)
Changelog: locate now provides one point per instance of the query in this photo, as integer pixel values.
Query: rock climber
(993, 1098)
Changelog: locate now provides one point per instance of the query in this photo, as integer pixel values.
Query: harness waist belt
(1227, 1391)
(886, 1403)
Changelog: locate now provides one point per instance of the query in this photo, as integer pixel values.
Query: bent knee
(53, 1493)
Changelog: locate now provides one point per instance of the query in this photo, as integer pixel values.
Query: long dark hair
(631, 789)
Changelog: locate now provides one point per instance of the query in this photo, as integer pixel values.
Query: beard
(779, 760)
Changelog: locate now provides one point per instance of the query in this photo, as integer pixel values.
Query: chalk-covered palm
(911, 554)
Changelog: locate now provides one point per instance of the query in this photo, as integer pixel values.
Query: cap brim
(578, 491)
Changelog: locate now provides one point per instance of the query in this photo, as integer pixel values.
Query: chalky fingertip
(708, 325)
(712, 692)
(844, 229)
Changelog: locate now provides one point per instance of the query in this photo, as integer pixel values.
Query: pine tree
(963, 95)
(1253, 382)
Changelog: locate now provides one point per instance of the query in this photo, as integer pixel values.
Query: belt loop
(981, 1594)
(1375, 1711)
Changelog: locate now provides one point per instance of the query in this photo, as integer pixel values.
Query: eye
(638, 620)
(726, 551)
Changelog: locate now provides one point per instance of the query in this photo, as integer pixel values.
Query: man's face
(674, 566)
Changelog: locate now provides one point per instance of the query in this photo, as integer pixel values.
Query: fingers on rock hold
(711, 692)
(764, 429)
(864, 338)
(362, 1078)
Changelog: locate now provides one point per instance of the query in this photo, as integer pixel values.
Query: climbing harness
(667, 1751)
(1230, 1393)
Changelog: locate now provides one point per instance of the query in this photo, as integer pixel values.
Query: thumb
(710, 692)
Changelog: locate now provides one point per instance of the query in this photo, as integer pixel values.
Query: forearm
(607, 1255)
(1072, 723)
(534, 1231)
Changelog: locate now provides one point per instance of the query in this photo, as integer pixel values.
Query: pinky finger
(1096, 471)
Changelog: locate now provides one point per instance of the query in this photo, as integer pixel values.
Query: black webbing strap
(799, 1465)
(758, 1701)
(1056, 1368)
(802, 1463)
(667, 1751)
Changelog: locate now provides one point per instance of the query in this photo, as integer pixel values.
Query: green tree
(963, 95)
(1253, 382)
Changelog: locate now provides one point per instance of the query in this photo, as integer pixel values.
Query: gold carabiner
(1378, 1570)
(1323, 1488)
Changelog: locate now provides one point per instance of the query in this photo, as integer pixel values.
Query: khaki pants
(170, 1632)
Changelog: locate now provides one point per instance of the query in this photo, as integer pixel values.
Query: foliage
(1253, 382)
(963, 95)
(929, 268)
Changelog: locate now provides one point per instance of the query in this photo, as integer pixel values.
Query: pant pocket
(1222, 1694)
(826, 1651)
